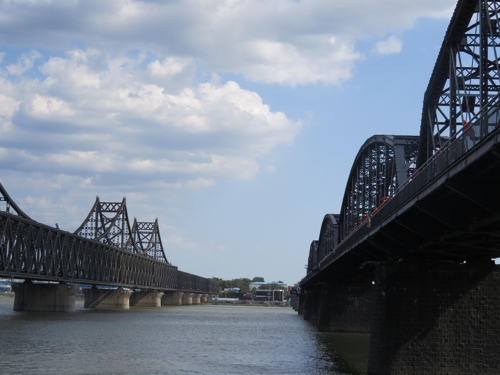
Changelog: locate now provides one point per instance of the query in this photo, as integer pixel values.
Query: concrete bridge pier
(196, 299)
(346, 307)
(172, 299)
(295, 302)
(187, 298)
(301, 302)
(44, 297)
(146, 298)
(436, 318)
(312, 303)
(107, 298)
(204, 298)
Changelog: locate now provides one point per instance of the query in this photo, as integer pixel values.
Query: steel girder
(463, 95)
(36, 251)
(31, 250)
(383, 163)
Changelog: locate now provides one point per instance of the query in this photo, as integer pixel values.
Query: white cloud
(390, 46)
(103, 117)
(24, 63)
(282, 42)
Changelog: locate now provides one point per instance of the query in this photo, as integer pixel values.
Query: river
(196, 339)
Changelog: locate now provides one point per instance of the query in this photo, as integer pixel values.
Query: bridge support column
(346, 307)
(203, 298)
(436, 318)
(302, 302)
(172, 298)
(295, 302)
(196, 298)
(187, 299)
(44, 297)
(146, 299)
(107, 298)
(311, 304)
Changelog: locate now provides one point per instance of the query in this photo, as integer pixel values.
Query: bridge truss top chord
(463, 94)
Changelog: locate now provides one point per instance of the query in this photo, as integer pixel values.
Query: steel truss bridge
(104, 250)
(432, 196)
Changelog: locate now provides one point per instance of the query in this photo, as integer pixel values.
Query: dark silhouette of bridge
(105, 250)
(420, 222)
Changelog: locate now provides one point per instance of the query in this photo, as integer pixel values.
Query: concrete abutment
(44, 296)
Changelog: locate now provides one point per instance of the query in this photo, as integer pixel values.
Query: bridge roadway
(410, 257)
(126, 258)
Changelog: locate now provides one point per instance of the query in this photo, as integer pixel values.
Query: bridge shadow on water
(349, 351)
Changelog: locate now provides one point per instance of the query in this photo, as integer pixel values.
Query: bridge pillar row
(295, 302)
(301, 302)
(312, 303)
(436, 318)
(346, 307)
(107, 298)
(44, 297)
(146, 299)
(172, 299)
(187, 298)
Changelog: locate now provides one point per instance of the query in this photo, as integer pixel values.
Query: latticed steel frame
(383, 163)
(8, 205)
(328, 236)
(31, 250)
(108, 222)
(312, 261)
(146, 237)
(463, 95)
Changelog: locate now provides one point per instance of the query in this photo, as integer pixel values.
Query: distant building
(270, 295)
(258, 284)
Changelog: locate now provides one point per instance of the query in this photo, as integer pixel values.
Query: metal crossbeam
(463, 95)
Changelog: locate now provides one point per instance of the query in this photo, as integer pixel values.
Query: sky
(235, 123)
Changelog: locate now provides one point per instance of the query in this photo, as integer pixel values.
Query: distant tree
(243, 284)
(258, 279)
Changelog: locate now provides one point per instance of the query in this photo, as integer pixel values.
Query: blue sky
(235, 122)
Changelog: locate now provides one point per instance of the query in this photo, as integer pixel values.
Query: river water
(197, 339)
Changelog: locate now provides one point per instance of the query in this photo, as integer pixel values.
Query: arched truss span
(313, 256)
(383, 163)
(463, 95)
(108, 223)
(8, 205)
(328, 235)
(146, 236)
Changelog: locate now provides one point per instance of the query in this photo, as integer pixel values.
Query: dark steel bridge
(105, 250)
(432, 196)
(409, 258)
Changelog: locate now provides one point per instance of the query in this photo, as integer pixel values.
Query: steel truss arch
(10, 206)
(108, 223)
(463, 94)
(146, 237)
(383, 163)
(312, 261)
(328, 235)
